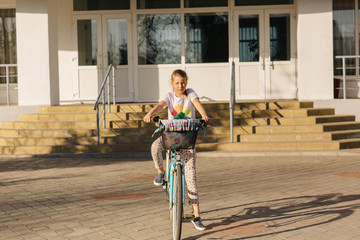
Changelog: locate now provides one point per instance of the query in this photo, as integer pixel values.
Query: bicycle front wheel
(177, 208)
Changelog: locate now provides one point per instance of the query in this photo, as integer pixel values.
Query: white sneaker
(198, 224)
(159, 180)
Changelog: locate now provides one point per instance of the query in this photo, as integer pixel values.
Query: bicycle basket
(179, 134)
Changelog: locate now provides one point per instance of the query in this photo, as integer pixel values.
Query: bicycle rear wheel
(177, 208)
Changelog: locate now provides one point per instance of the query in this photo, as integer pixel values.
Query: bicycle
(176, 135)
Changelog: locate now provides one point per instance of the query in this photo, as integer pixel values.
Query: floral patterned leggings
(188, 157)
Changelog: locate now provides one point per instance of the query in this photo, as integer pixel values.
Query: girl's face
(179, 85)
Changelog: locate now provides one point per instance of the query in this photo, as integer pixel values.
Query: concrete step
(24, 133)
(282, 121)
(325, 127)
(145, 107)
(245, 113)
(295, 112)
(259, 126)
(53, 141)
(271, 146)
(288, 137)
(49, 125)
(88, 140)
(58, 117)
(330, 127)
(123, 116)
(349, 143)
(258, 105)
(90, 108)
(347, 134)
(308, 136)
(272, 113)
(134, 120)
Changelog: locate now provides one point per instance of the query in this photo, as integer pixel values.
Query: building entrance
(101, 40)
(265, 54)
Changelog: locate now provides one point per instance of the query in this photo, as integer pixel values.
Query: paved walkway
(244, 197)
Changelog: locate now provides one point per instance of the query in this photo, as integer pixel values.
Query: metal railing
(232, 102)
(101, 99)
(343, 60)
(7, 76)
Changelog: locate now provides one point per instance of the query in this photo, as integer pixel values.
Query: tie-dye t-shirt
(182, 105)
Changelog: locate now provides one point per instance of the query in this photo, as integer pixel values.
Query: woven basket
(174, 140)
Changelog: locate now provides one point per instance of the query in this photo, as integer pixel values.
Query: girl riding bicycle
(181, 103)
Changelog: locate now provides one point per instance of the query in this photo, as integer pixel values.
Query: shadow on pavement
(41, 163)
(282, 215)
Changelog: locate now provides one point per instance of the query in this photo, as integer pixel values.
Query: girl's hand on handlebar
(147, 118)
(206, 119)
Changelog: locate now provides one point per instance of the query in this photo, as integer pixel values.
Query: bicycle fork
(170, 174)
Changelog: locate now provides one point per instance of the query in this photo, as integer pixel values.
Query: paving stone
(295, 197)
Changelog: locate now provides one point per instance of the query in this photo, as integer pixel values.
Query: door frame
(264, 62)
(270, 65)
(130, 56)
(76, 66)
(101, 55)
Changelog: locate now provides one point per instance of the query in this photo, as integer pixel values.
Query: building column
(37, 49)
(315, 49)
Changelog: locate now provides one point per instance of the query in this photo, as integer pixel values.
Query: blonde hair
(181, 73)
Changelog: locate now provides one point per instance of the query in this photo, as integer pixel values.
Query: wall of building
(315, 49)
(8, 4)
(66, 53)
(51, 71)
(37, 52)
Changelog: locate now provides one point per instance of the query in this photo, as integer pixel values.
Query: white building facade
(280, 49)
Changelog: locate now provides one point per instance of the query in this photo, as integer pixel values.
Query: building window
(153, 4)
(88, 5)
(249, 38)
(87, 42)
(279, 37)
(206, 38)
(208, 3)
(117, 41)
(8, 44)
(159, 39)
(345, 34)
(262, 2)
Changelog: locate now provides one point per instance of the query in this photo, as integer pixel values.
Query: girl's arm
(158, 108)
(201, 109)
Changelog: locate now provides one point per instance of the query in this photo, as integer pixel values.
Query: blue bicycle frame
(170, 176)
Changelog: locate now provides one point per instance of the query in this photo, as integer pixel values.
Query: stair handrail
(343, 60)
(7, 76)
(232, 102)
(102, 95)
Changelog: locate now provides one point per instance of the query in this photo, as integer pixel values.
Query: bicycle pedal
(164, 184)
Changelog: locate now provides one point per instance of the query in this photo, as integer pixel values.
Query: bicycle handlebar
(203, 122)
(155, 119)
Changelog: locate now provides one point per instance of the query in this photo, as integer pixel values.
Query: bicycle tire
(177, 208)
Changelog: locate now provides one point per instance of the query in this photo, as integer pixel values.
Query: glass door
(280, 54)
(249, 55)
(102, 40)
(117, 51)
(87, 57)
(264, 57)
